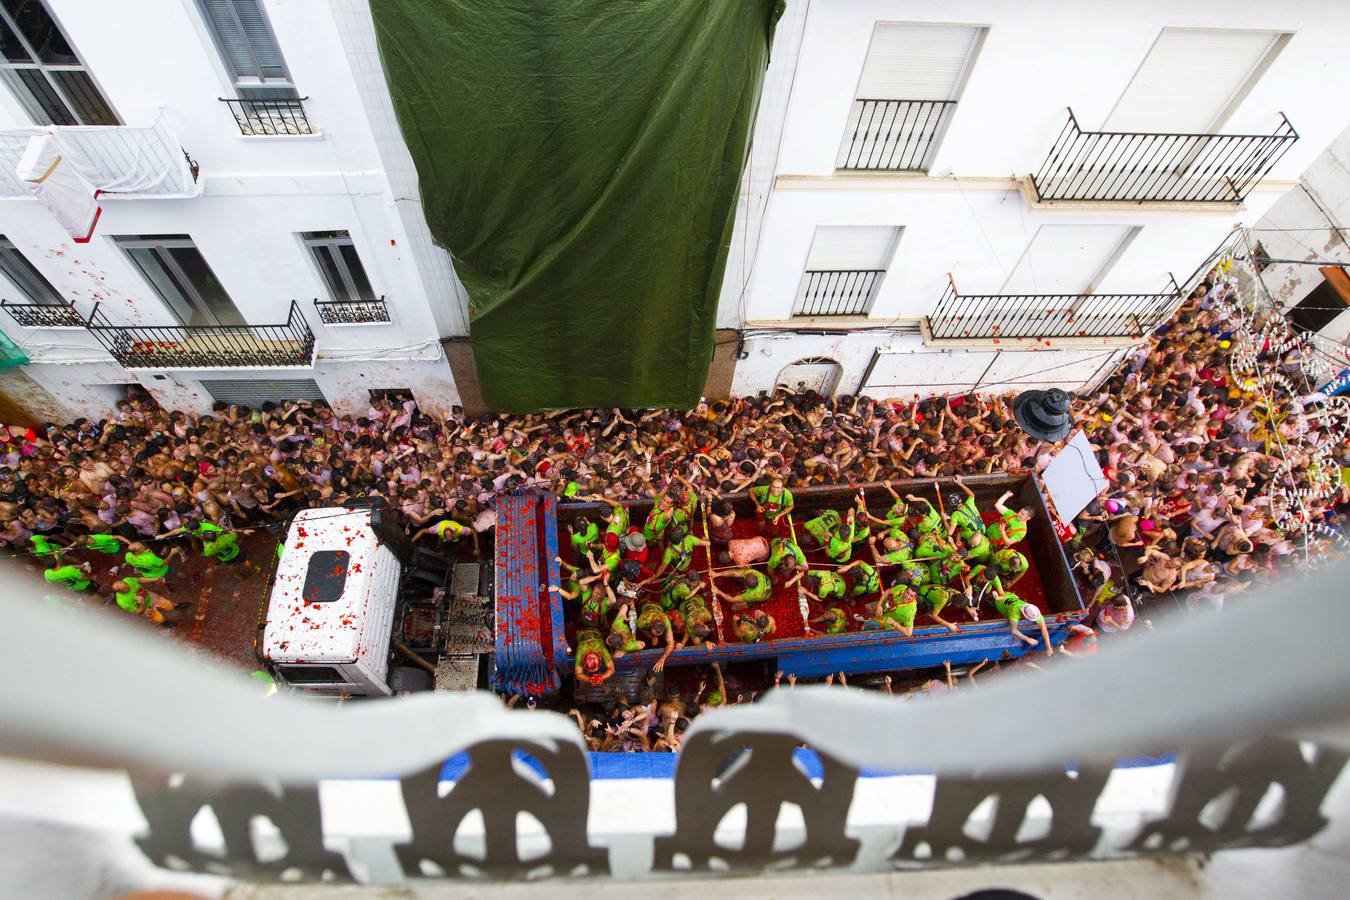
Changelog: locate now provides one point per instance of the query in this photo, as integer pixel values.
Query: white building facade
(284, 256)
(957, 197)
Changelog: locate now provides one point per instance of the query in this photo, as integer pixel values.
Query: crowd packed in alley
(1204, 466)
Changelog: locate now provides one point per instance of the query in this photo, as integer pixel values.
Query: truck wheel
(409, 678)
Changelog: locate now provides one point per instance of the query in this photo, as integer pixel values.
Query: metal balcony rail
(1187, 168)
(257, 118)
(43, 315)
(893, 135)
(960, 315)
(837, 292)
(207, 346)
(352, 312)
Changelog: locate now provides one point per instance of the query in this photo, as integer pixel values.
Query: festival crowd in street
(1202, 467)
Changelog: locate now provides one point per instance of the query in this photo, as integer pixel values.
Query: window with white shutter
(1192, 79)
(1068, 259)
(844, 269)
(910, 82)
(248, 48)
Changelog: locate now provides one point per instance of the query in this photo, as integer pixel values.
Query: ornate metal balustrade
(270, 117)
(353, 312)
(893, 135)
(837, 292)
(1109, 166)
(960, 315)
(43, 315)
(286, 345)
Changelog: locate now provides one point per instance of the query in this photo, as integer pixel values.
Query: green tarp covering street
(580, 160)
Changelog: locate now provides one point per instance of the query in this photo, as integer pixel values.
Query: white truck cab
(330, 618)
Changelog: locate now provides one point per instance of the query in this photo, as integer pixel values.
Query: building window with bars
(911, 79)
(844, 270)
(44, 72)
(24, 275)
(335, 255)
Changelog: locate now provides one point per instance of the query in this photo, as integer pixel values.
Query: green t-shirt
(202, 529)
(72, 577)
(620, 627)
(103, 543)
(897, 556)
(782, 499)
(583, 539)
(757, 592)
(658, 520)
(900, 608)
(945, 570)
(831, 584)
(936, 596)
(929, 521)
(980, 552)
(967, 515)
(1010, 607)
(650, 614)
(898, 513)
(224, 548)
(932, 547)
(839, 623)
(590, 641)
(1013, 526)
(42, 546)
(675, 594)
(781, 548)
(840, 545)
(1008, 561)
(695, 611)
(618, 521)
(132, 599)
(912, 573)
(147, 564)
(682, 554)
(865, 580)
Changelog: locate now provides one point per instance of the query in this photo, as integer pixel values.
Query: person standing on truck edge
(772, 501)
(1014, 609)
(148, 563)
(594, 662)
(1010, 527)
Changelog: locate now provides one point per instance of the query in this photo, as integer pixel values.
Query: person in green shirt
(1010, 527)
(147, 563)
(132, 595)
(772, 501)
(822, 526)
(105, 543)
(895, 549)
(896, 610)
(755, 587)
(936, 598)
(977, 546)
(839, 546)
(895, 517)
(827, 584)
(753, 627)
(1010, 565)
(699, 623)
(966, 517)
(221, 545)
(923, 520)
(947, 570)
(46, 549)
(653, 626)
(785, 554)
(593, 594)
(1015, 609)
(594, 662)
(865, 581)
(621, 639)
(584, 535)
(684, 512)
(74, 577)
(913, 573)
(679, 553)
(616, 523)
(678, 590)
(933, 546)
(832, 621)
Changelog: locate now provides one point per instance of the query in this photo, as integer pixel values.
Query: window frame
(246, 83)
(190, 290)
(318, 242)
(31, 106)
(9, 253)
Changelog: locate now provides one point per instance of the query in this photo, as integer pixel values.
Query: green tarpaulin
(580, 160)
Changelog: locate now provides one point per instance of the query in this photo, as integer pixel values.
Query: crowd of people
(1208, 469)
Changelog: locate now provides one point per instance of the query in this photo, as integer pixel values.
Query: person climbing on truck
(1015, 609)
(584, 535)
(616, 522)
(653, 627)
(594, 661)
(922, 521)
(448, 531)
(772, 501)
(621, 639)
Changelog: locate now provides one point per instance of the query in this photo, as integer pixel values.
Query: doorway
(813, 373)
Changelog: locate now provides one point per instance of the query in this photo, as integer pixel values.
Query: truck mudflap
(531, 645)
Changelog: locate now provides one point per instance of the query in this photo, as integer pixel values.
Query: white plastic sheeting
(56, 182)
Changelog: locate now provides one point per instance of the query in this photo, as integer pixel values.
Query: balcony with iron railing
(837, 292)
(284, 117)
(287, 345)
(978, 316)
(1117, 166)
(353, 312)
(893, 135)
(43, 315)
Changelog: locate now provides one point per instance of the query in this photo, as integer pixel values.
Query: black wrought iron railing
(270, 117)
(43, 315)
(838, 292)
(352, 312)
(893, 135)
(207, 346)
(1124, 166)
(960, 315)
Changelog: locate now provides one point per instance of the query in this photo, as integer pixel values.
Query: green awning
(10, 353)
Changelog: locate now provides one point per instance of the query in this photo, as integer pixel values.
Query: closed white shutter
(1065, 259)
(1191, 79)
(911, 61)
(254, 392)
(851, 248)
(245, 39)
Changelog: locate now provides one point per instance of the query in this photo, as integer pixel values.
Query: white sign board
(1073, 479)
